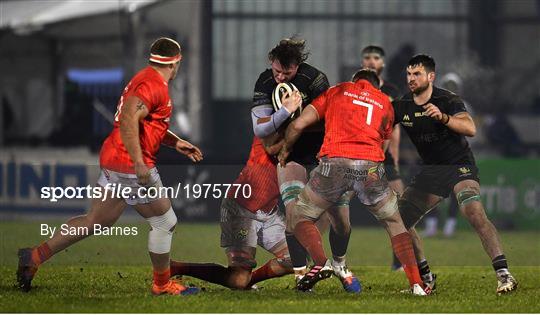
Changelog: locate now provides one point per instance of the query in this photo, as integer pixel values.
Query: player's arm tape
(264, 129)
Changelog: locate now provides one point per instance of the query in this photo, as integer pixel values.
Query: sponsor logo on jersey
(419, 114)
(406, 121)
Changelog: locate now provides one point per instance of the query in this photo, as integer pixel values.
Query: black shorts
(305, 150)
(391, 172)
(441, 179)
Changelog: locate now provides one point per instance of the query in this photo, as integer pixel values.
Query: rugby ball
(280, 90)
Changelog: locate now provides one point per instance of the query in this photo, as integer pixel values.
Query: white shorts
(243, 228)
(124, 180)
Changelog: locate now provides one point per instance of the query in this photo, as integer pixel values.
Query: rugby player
(373, 58)
(437, 123)
(287, 61)
(128, 157)
(358, 118)
(246, 223)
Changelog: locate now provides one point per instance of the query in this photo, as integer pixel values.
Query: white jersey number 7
(369, 110)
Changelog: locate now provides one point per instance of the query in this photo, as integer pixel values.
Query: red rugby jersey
(358, 117)
(261, 174)
(152, 89)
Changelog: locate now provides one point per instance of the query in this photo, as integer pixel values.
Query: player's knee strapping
(467, 195)
(410, 212)
(345, 199)
(388, 209)
(160, 237)
(290, 190)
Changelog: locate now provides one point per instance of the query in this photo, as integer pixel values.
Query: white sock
(339, 261)
(431, 226)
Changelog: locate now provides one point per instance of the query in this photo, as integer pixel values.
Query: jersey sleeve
(397, 115)
(150, 96)
(262, 93)
(455, 105)
(319, 85)
(320, 104)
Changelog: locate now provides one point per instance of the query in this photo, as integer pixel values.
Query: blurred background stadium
(63, 65)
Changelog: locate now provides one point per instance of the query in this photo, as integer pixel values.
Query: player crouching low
(246, 223)
(358, 118)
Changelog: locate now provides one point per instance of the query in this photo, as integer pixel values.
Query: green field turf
(113, 274)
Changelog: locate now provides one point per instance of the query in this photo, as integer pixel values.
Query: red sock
(41, 253)
(162, 277)
(309, 236)
(403, 248)
(264, 273)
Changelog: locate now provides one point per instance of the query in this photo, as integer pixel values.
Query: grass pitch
(113, 274)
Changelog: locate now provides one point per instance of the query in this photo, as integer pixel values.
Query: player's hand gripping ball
(280, 91)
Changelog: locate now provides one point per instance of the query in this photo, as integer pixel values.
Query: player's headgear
(165, 51)
(289, 51)
(368, 75)
(422, 60)
(372, 49)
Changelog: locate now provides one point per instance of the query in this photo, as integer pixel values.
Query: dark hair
(289, 51)
(165, 47)
(372, 49)
(368, 75)
(422, 60)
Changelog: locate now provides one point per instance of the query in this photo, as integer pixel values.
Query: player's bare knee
(339, 216)
(304, 210)
(239, 278)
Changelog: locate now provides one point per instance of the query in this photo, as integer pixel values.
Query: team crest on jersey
(242, 234)
(406, 117)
